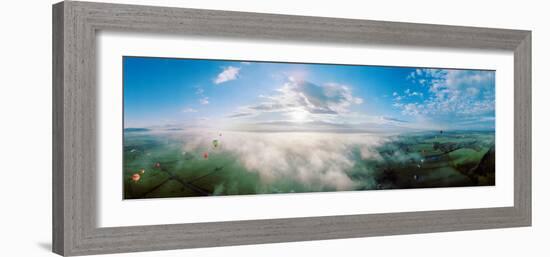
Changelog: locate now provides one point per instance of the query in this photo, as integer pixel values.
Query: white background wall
(25, 127)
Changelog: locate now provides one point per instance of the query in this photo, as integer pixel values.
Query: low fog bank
(316, 160)
(231, 162)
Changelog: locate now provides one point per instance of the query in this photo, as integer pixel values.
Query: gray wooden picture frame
(75, 25)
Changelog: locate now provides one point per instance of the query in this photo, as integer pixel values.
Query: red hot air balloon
(136, 177)
(205, 155)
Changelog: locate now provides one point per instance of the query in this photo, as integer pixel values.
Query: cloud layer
(457, 92)
(305, 101)
(315, 160)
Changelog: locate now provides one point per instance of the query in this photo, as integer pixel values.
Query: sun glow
(298, 116)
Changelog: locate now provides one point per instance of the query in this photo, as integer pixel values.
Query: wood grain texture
(75, 25)
(57, 136)
(522, 128)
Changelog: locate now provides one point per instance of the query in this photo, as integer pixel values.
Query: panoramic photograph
(197, 127)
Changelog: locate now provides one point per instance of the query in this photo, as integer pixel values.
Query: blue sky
(165, 92)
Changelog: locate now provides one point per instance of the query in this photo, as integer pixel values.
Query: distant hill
(485, 170)
(487, 163)
(136, 130)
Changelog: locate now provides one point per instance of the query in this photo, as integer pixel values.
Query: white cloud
(397, 105)
(409, 92)
(228, 74)
(412, 109)
(204, 100)
(189, 110)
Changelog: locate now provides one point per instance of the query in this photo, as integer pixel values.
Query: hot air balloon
(157, 165)
(215, 143)
(142, 171)
(136, 177)
(205, 155)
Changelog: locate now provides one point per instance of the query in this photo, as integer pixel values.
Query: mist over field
(290, 162)
(316, 160)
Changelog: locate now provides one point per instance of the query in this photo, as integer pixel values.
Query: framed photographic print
(181, 128)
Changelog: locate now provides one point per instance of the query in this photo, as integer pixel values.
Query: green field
(173, 163)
